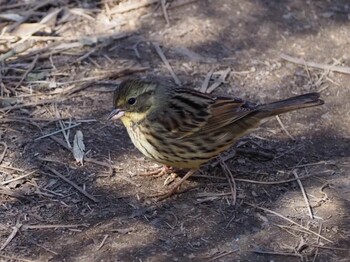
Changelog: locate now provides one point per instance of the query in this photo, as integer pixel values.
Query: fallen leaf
(78, 147)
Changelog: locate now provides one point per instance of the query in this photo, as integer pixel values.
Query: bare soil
(67, 76)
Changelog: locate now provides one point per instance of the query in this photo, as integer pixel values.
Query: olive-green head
(132, 99)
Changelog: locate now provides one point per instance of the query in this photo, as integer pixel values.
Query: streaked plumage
(185, 128)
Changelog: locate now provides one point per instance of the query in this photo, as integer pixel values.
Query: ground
(71, 55)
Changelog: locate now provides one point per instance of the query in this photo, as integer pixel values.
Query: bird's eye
(132, 101)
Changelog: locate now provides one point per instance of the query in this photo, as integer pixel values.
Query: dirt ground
(60, 62)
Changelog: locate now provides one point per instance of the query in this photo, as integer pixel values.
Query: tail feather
(290, 104)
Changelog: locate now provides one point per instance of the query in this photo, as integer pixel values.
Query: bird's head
(132, 100)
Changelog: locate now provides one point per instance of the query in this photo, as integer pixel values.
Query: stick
(306, 199)
(56, 132)
(30, 68)
(91, 160)
(129, 6)
(20, 48)
(165, 12)
(17, 178)
(165, 61)
(289, 220)
(299, 61)
(263, 182)
(219, 81)
(231, 181)
(276, 253)
(2, 156)
(102, 242)
(205, 83)
(70, 90)
(11, 193)
(318, 242)
(25, 227)
(73, 184)
(31, 104)
(284, 128)
(8, 258)
(14, 232)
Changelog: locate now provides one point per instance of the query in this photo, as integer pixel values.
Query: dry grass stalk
(73, 184)
(339, 69)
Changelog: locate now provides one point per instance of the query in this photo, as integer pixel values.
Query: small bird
(185, 128)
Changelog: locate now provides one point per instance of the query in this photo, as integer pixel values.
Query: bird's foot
(164, 170)
(164, 195)
(174, 190)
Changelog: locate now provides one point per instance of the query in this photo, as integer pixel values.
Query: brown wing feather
(190, 111)
(226, 111)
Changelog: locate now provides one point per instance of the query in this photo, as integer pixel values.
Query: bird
(184, 128)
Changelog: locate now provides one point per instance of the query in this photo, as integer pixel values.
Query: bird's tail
(290, 104)
(264, 112)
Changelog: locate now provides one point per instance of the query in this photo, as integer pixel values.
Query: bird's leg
(172, 191)
(158, 172)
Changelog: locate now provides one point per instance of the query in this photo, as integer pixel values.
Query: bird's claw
(158, 172)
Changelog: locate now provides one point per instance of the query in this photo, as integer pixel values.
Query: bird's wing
(226, 111)
(189, 113)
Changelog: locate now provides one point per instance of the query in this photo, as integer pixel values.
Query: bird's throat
(132, 118)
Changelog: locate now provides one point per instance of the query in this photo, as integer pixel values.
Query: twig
(289, 220)
(102, 242)
(26, 227)
(318, 242)
(45, 248)
(276, 253)
(316, 164)
(31, 104)
(205, 83)
(219, 81)
(28, 14)
(180, 3)
(30, 68)
(335, 248)
(231, 181)
(2, 156)
(17, 178)
(79, 59)
(73, 89)
(32, 119)
(165, 12)
(63, 129)
(167, 65)
(11, 193)
(304, 195)
(132, 5)
(73, 184)
(58, 131)
(20, 48)
(224, 254)
(14, 232)
(339, 69)
(12, 168)
(91, 160)
(284, 128)
(8, 258)
(263, 182)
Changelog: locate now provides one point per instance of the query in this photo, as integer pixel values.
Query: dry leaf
(78, 147)
(51, 18)
(28, 29)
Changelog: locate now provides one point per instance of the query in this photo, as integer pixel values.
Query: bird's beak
(115, 114)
